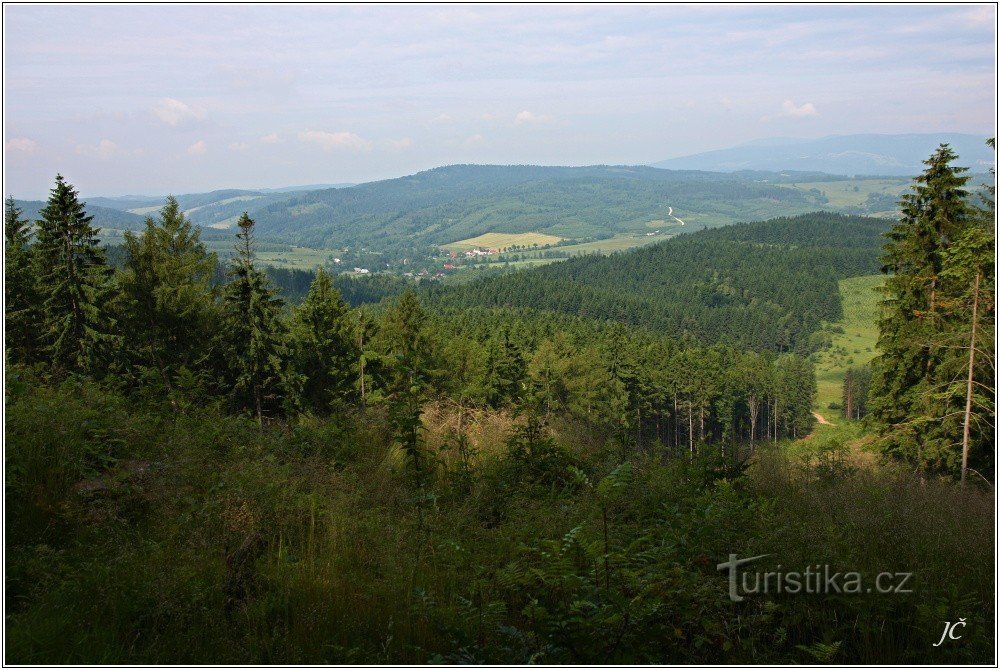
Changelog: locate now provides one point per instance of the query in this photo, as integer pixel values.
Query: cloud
(473, 141)
(22, 144)
(788, 108)
(270, 138)
(197, 149)
(339, 140)
(526, 117)
(239, 146)
(105, 150)
(174, 112)
(399, 145)
(443, 118)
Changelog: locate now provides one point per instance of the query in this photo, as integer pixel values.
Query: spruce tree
(907, 405)
(324, 351)
(169, 303)
(73, 285)
(20, 299)
(258, 356)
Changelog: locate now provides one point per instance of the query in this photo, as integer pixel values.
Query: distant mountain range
(895, 155)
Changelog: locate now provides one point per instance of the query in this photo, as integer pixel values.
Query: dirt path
(821, 420)
(671, 215)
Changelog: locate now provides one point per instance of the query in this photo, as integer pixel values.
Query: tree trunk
(968, 388)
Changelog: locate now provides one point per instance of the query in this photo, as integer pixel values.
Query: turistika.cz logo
(815, 579)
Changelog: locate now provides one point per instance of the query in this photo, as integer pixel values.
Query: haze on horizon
(157, 99)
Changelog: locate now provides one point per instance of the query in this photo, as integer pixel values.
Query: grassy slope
(855, 346)
(842, 194)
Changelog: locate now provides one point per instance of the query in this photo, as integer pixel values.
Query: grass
(299, 258)
(503, 241)
(842, 193)
(854, 346)
(618, 243)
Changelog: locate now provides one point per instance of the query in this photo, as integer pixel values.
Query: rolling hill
(758, 285)
(104, 217)
(459, 202)
(892, 155)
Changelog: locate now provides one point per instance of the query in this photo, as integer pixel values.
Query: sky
(175, 99)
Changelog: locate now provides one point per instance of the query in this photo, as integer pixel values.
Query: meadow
(853, 340)
(503, 241)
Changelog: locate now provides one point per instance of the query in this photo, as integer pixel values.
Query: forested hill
(457, 202)
(766, 286)
(104, 217)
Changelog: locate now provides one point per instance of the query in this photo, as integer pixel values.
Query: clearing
(852, 347)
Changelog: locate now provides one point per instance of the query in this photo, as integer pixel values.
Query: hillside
(214, 209)
(840, 154)
(104, 217)
(458, 202)
(764, 285)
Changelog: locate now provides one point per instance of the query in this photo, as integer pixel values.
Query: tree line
(160, 324)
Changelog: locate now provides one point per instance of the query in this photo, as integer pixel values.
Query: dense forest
(764, 286)
(538, 467)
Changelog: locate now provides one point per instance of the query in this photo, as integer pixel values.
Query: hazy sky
(157, 99)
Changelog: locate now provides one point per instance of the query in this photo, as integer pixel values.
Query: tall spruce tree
(20, 299)
(966, 379)
(169, 303)
(258, 356)
(78, 330)
(325, 354)
(910, 397)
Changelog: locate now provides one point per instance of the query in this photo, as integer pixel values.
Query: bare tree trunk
(968, 388)
(753, 405)
(691, 427)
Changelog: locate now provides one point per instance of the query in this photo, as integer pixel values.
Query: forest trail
(822, 421)
(670, 213)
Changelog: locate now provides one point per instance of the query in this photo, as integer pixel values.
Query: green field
(299, 258)
(854, 192)
(618, 243)
(854, 346)
(503, 241)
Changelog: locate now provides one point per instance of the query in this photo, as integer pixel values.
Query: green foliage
(323, 347)
(255, 335)
(169, 313)
(20, 287)
(940, 256)
(74, 287)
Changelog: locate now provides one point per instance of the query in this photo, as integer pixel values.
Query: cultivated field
(503, 241)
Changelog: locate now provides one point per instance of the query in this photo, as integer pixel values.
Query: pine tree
(20, 298)
(324, 352)
(74, 288)
(169, 303)
(261, 381)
